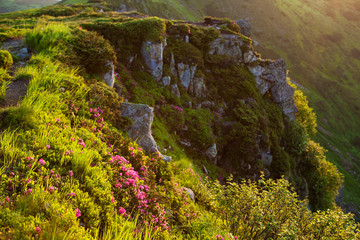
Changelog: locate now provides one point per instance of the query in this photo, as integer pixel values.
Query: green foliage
(174, 116)
(5, 59)
(323, 178)
(48, 38)
(92, 51)
(128, 37)
(305, 115)
(186, 53)
(199, 123)
(296, 138)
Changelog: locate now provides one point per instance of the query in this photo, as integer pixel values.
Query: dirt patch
(16, 90)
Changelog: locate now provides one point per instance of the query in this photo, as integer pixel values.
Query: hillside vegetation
(318, 40)
(69, 169)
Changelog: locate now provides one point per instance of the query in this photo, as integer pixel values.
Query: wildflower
(122, 211)
(7, 199)
(38, 230)
(51, 189)
(41, 161)
(28, 181)
(71, 194)
(28, 191)
(78, 213)
(48, 146)
(58, 119)
(71, 173)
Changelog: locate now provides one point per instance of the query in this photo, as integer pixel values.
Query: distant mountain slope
(18, 5)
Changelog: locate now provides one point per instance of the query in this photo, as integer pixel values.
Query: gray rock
(227, 44)
(186, 74)
(190, 192)
(276, 69)
(266, 159)
(109, 77)
(187, 39)
(245, 27)
(166, 158)
(205, 170)
(289, 108)
(185, 143)
(175, 90)
(23, 54)
(166, 81)
(281, 92)
(211, 153)
(173, 65)
(153, 57)
(140, 131)
(271, 76)
(198, 88)
(250, 57)
(207, 104)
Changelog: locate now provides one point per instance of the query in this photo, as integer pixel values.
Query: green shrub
(90, 50)
(296, 138)
(174, 116)
(5, 59)
(199, 122)
(323, 178)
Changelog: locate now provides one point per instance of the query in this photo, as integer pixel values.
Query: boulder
(227, 44)
(23, 54)
(197, 88)
(175, 90)
(190, 192)
(109, 77)
(153, 57)
(186, 74)
(140, 130)
(250, 57)
(173, 65)
(244, 26)
(211, 152)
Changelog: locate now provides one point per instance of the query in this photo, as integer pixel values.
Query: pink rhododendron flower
(48, 146)
(71, 173)
(38, 230)
(41, 161)
(78, 213)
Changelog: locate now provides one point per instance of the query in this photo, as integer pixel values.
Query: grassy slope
(316, 39)
(18, 5)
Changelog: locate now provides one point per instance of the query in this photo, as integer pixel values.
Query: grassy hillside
(69, 170)
(19, 5)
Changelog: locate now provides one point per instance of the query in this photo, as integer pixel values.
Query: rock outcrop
(140, 131)
(229, 45)
(197, 88)
(211, 153)
(142, 118)
(190, 192)
(245, 27)
(271, 76)
(153, 57)
(186, 74)
(109, 77)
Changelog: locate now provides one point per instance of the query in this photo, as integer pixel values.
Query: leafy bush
(174, 116)
(323, 178)
(199, 122)
(296, 138)
(90, 50)
(5, 59)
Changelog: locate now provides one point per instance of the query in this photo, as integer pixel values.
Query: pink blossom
(71, 173)
(38, 230)
(122, 211)
(7, 199)
(58, 119)
(48, 146)
(78, 212)
(41, 161)
(71, 194)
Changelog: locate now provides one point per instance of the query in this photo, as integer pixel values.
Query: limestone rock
(282, 92)
(186, 73)
(211, 153)
(245, 27)
(109, 77)
(197, 88)
(173, 65)
(140, 131)
(175, 90)
(227, 44)
(23, 54)
(190, 192)
(153, 57)
(250, 57)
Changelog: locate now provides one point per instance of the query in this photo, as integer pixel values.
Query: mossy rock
(5, 59)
